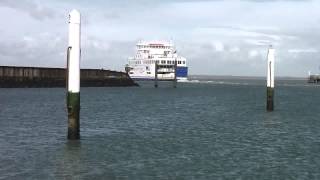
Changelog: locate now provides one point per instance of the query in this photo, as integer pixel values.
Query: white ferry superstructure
(142, 65)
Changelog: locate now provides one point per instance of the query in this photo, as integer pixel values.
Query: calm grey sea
(215, 129)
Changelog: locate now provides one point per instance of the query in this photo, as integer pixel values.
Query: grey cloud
(277, 0)
(203, 58)
(35, 52)
(115, 26)
(32, 8)
(99, 53)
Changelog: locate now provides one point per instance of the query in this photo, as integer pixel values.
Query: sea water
(213, 129)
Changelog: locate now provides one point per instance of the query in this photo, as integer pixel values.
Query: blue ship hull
(182, 72)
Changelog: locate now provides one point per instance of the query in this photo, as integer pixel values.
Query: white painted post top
(74, 17)
(74, 53)
(270, 75)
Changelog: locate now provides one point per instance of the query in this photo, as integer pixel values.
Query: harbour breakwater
(36, 77)
(314, 79)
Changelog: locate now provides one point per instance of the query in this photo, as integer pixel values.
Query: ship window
(183, 62)
(163, 62)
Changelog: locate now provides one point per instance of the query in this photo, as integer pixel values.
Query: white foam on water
(214, 82)
(300, 85)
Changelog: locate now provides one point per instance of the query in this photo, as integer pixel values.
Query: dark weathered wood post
(156, 74)
(175, 74)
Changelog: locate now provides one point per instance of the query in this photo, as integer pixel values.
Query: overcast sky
(218, 37)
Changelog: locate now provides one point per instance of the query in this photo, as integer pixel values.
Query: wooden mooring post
(73, 77)
(270, 79)
(175, 75)
(156, 74)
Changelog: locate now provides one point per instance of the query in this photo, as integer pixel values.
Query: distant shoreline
(204, 77)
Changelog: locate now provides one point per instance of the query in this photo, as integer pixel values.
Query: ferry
(148, 53)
